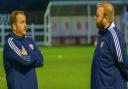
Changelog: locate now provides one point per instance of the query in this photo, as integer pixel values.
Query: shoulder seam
(13, 46)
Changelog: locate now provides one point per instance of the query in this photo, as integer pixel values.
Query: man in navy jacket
(110, 58)
(20, 55)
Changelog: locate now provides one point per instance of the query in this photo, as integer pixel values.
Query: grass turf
(65, 68)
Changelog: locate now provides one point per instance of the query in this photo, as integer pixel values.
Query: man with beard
(110, 58)
(21, 55)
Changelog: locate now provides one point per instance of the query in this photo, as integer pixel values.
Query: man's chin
(24, 33)
(100, 27)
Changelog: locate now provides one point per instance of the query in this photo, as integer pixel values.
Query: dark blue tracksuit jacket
(20, 68)
(109, 60)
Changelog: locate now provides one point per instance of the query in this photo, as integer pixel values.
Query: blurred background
(65, 32)
(61, 22)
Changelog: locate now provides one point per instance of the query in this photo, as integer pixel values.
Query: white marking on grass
(59, 56)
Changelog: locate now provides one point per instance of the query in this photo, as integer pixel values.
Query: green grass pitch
(65, 68)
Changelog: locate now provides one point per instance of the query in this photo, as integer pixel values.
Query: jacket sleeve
(120, 52)
(118, 47)
(122, 60)
(12, 53)
(39, 56)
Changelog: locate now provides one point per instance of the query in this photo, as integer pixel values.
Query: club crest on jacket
(101, 44)
(31, 46)
(23, 51)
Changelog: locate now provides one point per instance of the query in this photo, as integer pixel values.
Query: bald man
(110, 62)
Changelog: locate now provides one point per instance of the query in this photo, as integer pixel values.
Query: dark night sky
(27, 5)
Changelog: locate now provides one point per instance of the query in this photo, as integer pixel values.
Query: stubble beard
(100, 25)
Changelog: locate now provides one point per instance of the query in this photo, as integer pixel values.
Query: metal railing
(32, 31)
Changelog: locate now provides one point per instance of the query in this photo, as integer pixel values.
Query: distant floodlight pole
(126, 23)
(49, 29)
(3, 34)
(45, 28)
(89, 24)
(32, 31)
(47, 25)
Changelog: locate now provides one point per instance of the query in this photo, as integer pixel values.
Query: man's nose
(25, 25)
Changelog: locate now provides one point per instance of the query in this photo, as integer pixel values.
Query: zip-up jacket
(110, 61)
(20, 57)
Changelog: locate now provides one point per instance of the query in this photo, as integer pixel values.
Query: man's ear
(14, 26)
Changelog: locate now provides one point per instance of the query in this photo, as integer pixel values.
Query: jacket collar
(111, 25)
(16, 36)
(102, 32)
